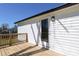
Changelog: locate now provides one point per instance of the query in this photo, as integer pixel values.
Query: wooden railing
(9, 39)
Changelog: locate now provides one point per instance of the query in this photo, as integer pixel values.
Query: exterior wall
(64, 33)
(33, 29)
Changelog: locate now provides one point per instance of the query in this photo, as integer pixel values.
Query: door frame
(45, 44)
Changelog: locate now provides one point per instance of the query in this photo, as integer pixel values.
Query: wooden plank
(3, 52)
(34, 50)
(10, 50)
(0, 52)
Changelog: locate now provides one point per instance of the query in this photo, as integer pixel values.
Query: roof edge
(51, 10)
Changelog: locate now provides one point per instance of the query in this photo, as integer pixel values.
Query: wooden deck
(26, 49)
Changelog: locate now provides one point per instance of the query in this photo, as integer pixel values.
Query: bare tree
(5, 28)
(14, 29)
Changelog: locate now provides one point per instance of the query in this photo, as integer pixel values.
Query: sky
(12, 12)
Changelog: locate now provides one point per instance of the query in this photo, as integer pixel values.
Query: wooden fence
(9, 39)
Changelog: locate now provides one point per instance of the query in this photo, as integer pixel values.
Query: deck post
(26, 37)
(10, 43)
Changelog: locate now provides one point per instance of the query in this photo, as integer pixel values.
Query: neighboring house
(56, 29)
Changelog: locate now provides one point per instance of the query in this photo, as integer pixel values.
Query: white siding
(64, 34)
(33, 29)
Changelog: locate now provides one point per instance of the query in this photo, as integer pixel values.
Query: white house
(56, 29)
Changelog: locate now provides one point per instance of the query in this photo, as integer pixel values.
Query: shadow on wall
(38, 38)
(65, 28)
(34, 34)
(39, 32)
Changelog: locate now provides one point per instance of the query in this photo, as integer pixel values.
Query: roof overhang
(48, 11)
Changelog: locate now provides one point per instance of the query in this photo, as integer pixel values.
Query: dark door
(44, 30)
